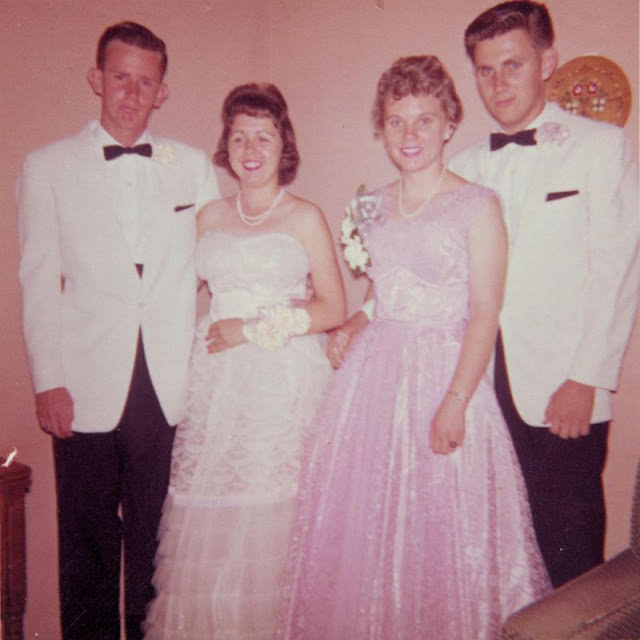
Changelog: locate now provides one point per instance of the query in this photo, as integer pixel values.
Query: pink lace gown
(227, 519)
(390, 540)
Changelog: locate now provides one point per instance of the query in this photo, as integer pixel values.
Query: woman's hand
(340, 339)
(447, 427)
(224, 334)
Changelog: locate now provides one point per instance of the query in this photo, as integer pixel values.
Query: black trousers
(564, 484)
(111, 488)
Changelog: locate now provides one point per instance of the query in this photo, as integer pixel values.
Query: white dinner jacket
(571, 210)
(83, 300)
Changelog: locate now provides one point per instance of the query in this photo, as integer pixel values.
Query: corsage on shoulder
(362, 211)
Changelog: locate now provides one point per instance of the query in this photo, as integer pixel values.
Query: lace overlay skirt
(227, 519)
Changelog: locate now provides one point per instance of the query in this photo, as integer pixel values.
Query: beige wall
(326, 56)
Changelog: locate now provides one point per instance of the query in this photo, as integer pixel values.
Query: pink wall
(326, 56)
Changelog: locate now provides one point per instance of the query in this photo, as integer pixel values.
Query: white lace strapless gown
(227, 518)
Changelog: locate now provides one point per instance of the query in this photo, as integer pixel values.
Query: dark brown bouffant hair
(533, 17)
(134, 34)
(417, 76)
(260, 101)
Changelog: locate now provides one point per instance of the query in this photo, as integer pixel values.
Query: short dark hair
(533, 17)
(417, 75)
(134, 34)
(260, 100)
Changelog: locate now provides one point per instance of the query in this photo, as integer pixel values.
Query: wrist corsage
(361, 212)
(275, 326)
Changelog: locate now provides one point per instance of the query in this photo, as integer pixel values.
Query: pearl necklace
(252, 221)
(425, 202)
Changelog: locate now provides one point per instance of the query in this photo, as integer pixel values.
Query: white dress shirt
(131, 178)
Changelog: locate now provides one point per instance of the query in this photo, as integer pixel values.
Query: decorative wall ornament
(592, 86)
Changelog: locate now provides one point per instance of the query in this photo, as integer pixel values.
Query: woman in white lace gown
(258, 372)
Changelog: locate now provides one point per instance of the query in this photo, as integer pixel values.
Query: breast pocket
(560, 223)
(183, 229)
(560, 195)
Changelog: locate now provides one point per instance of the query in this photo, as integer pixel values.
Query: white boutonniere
(362, 211)
(164, 153)
(552, 133)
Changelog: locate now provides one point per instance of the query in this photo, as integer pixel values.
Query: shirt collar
(548, 114)
(103, 137)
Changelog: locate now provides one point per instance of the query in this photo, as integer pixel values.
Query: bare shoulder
(488, 226)
(306, 222)
(304, 208)
(489, 212)
(304, 215)
(453, 181)
(213, 215)
(493, 206)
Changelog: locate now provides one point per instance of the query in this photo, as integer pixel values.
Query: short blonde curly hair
(416, 76)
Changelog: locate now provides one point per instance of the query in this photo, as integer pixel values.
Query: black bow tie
(112, 151)
(525, 138)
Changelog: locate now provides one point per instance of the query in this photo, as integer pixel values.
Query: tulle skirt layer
(220, 571)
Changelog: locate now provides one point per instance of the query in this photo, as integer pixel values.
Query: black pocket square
(557, 195)
(182, 207)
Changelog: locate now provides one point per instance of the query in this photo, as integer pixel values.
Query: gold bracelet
(463, 397)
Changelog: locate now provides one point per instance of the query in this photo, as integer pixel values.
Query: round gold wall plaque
(592, 86)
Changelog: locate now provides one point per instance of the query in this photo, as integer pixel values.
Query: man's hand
(568, 413)
(54, 409)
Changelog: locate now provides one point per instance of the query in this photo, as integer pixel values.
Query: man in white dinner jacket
(107, 233)
(569, 190)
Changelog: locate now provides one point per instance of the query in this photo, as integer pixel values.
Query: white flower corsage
(164, 153)
(552, 133)
(361, 212)
(275, 326)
